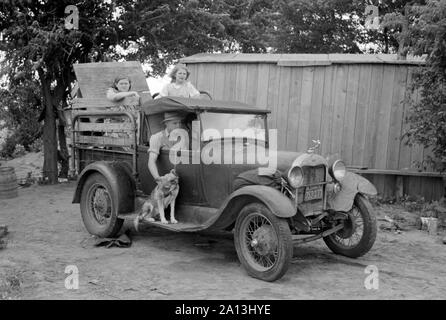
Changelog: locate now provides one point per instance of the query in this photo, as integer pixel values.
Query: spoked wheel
(359, 232)
(263, 242)
(98, 208)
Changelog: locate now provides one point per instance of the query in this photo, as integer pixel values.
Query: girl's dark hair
(174, 71)
(119, 78)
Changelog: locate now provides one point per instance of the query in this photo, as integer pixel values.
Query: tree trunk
(63, 155)
(49, 133)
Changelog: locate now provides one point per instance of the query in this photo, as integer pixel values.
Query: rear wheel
(263, 242)
(99, 208)
(359, 232)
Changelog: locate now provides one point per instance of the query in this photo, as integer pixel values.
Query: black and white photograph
(238, 152)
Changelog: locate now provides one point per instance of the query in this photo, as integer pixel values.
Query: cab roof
(198, 105)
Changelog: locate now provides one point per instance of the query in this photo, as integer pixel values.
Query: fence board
(327, 111)
(383, 119)
(359, 136)
(273, 88)
(396, 113)
(230, 80)
(305, 110)
(219, 79)
(350, 113)
(293, 109)
(242, 78)
(339, 108)
(316, 105)
(251, 84)
(262, 85)
(283, 105)
(404, 161)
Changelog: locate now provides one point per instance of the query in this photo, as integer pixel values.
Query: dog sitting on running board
(164, 194)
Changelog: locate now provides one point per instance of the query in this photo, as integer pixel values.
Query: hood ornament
(317, 144)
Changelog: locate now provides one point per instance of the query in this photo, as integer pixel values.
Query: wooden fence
(354, 104)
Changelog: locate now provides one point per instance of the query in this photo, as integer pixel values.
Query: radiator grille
(313, 174)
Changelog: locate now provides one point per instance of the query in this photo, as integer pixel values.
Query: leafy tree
(38, 46)
(427, 119)
(20, 109)
(316, 26)
(160, 32)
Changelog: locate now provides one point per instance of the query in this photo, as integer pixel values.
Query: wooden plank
(383, 118)
(396, 114)
(305, 111)
(241, 80)
(414, 187)
(95, 78)
(327, 110)
(219, 82)
(426, 188)
(104, 127)
(376, 84)
(262, 85)
(438, 188)
(379, 183)
(230, 82)
(399, 188)
(294, 107)
(316, 105)
(362, 105)
(282, 107)
(251, 83)
(194, 74)
(396, 172)
(202, 82)
(340, 93)
(416, 156)
(404, 148)
(273, 96)
(104, 141)
(354, 73)
(389, 187)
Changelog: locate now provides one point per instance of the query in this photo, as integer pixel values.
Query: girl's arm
(114, 96)
(193, 92)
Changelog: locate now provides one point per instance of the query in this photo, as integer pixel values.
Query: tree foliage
(20, 109)
(427, 119)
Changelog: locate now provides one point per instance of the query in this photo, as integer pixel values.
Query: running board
(190, 218)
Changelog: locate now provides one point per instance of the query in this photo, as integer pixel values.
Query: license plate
(312, 193)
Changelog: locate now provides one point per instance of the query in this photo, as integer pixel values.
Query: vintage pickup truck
(225, 182)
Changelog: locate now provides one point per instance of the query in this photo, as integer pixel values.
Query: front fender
(350, 186)
(274, 200)
(118, 176)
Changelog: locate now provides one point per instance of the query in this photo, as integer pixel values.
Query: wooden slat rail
(104, 127)
(400, 176)
(397, 172)
(104, 141)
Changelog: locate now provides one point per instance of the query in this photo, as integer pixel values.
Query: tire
(336, 242)
(271, 239)
(99, 207)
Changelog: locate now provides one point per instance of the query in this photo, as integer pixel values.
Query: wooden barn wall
(356, 110)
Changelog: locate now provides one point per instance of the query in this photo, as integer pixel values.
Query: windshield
(228, 125)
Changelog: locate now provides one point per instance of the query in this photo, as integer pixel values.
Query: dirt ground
(47, 235)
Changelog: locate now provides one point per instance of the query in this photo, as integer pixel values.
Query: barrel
(8, 183)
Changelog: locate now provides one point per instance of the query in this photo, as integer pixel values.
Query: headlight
(338, 170)
(295, 177)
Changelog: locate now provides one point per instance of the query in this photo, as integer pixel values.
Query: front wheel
(359, 232)
(263, 242)
(99, 208)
